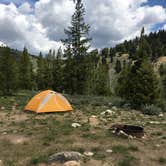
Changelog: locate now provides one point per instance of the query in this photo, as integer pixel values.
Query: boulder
(114, 108)
(93, 121)
(71, 163)
(65, 156)
(161, 115)
(88, 154)
(75, 125)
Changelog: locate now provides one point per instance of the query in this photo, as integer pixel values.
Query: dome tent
(48, 101)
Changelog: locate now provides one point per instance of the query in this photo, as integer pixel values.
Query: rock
(107, 112)
(71, 163)
(109, 151)
(93, 121)
(161, 115)
(157, 145)
(154, 122)
(75, 125)
(13, 108)
(2, 108)
(114, 108)
(1, 163)
(65, 156)
(88, 154)
(4, 133)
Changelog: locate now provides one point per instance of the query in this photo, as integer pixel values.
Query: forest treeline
(78, 71)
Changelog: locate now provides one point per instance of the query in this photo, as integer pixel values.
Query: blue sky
(39, 25)
(157, 2)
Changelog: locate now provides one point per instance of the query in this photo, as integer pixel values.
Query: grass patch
(127, 161)
(120, 149)
(162, 160)
(133, 148)
(38, 159)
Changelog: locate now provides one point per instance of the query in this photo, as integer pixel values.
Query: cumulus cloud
(25, 8)
(113, 21)
(18, 28)
(41, 26)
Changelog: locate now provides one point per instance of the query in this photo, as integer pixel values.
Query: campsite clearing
(30, 138)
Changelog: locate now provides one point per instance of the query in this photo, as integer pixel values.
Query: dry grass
(28, 139)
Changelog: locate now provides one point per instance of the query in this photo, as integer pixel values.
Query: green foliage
(151, 110)
(162, 72)
(162, 160)
(58, 81)
(8, 72)
(120, 149)
(25, 71)
(138, 83)
(127, 160)
(77, 44)
(118, 67)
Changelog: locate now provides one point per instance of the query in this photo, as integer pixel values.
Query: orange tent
(48, 101)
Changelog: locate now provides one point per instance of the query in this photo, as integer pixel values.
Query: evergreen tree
(118, 67)
(69, 73)
(162, 72)
(138, 83)
(25, 71)
(78, 43)
(48, 70)
(8, 72)
(40, 72)
(58, 84)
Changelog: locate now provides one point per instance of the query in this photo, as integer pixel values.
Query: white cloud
(42, 26)
(19, 30)
(113, 21)
(164, 27)
(25, 8)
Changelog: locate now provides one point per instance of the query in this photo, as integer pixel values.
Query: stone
(75, 125)
(114, 108)
(93, 121)
(2, 108)
(107, 112)
(1, 163)
(4, 133)
(65, 156)
(88, 154)
(161, 115)
(109, 151)
(71, 163)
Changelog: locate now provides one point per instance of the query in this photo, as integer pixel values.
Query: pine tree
(118, 67)
(8, 72)
(78, 43)
(48, 70)
(138, 83)
(58, 84)
(25, 71)
(40, 72)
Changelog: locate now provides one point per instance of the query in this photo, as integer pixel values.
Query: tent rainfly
(48, 101)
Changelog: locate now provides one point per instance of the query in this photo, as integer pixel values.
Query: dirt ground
(29, 139)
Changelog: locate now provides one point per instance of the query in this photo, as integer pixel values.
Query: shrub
(151, 110)
(118, 101)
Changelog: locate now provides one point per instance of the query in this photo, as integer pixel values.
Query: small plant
(127, 161)
(120, 149)
(162, 160)
(118, 102)
(38, 159)
(151, 110)
(133, 148)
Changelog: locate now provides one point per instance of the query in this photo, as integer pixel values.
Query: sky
(39, 24)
